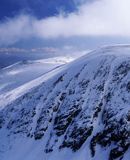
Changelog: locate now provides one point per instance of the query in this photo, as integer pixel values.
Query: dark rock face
(1, 121)
(77, 138)
(88, 102)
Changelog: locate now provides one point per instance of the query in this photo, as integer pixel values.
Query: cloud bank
(99, 18)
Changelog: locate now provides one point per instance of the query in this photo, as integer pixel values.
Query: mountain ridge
(81, 110)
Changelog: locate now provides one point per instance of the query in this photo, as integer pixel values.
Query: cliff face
(82, 111)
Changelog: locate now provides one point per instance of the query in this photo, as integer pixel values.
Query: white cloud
(100, 18)
(15, 29)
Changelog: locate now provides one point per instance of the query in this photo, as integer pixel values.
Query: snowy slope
(22, 72)
(80, 111)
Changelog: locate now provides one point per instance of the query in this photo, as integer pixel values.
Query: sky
(64, 24)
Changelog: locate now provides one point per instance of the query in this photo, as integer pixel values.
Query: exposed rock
(88, 101)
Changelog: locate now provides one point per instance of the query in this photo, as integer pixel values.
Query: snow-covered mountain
(79, 111)
(22, 72)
